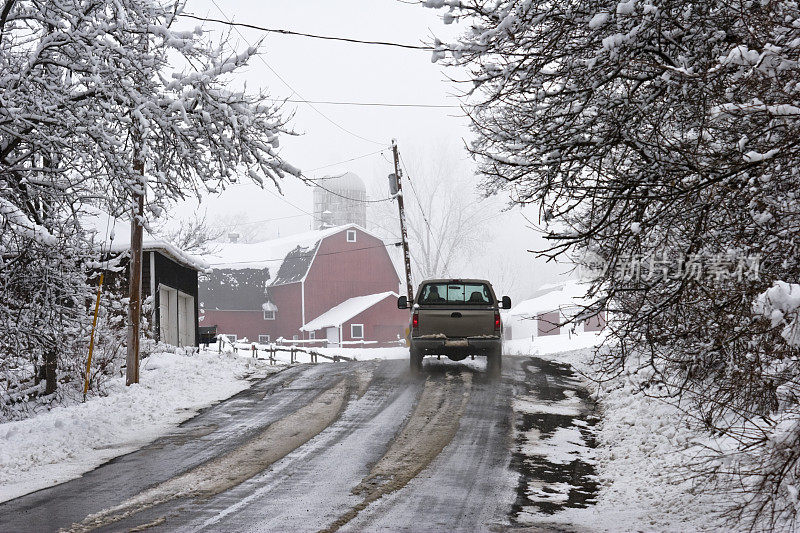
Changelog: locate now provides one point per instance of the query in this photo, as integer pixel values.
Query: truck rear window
(455, 293)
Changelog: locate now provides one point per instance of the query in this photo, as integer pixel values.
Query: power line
(384, 245)
(347, 160)
(314, 217)
(304, 213)
(416, 197)
(311, 35)
(370, 104)
(294, 91)
(249, 222)
(364, 201)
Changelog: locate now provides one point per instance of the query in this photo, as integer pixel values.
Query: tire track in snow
(218, 475)
(468, 486)
(432, 425)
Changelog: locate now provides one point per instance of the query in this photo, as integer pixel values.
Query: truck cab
(456, 318)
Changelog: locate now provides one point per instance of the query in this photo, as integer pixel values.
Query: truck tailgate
(456, 322)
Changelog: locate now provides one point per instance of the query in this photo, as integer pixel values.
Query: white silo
(339, 200)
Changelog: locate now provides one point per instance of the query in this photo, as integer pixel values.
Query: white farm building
(544, 314)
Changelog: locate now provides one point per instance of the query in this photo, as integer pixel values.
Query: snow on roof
(287, 258)
(336, 316)
(565, 295)
(114, 235)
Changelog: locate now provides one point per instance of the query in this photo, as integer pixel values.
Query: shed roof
(114, 235)
(336, 316)
(565, 295)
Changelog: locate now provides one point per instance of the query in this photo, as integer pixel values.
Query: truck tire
(415, 361)
(494, 363)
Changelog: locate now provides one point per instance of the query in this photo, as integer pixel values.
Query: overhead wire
(362, 200)
(294, 91)
(416, 196)
(313, 217)
(261, 221)
(372, 104)
(384, 245)
(229, 22)
(347, 161)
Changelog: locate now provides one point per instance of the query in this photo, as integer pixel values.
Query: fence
(270, 351)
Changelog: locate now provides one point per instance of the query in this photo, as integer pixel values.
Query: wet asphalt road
(360, 446)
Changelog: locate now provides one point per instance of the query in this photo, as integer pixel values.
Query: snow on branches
(91, 93)
(654, 131)
(97, 85)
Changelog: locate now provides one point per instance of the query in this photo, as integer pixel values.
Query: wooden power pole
(403, 233)
(135, 278)
(135, 281)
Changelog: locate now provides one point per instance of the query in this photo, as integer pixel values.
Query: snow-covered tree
(100, 101)
(195, 234)
(660, 137)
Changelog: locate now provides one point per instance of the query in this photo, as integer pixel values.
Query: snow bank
(553, 344)
(66, 442)
(644, 446)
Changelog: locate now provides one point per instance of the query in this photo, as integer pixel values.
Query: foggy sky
(325, 70)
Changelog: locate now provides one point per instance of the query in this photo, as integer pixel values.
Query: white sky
(328, 70)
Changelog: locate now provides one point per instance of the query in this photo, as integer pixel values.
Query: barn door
(186, 328)
(168, 315)
(332, 334)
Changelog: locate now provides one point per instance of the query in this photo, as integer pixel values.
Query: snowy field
(66, 442)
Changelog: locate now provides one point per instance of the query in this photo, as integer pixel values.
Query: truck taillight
(497, 321)
(415, 320)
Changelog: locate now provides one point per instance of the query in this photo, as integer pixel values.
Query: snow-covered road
(351, 447)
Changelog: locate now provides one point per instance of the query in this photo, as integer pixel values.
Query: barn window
(263, 339)
(357, 331)
(351, 235)
(312, 335)
(270, 310)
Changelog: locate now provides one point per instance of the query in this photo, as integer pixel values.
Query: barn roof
(336, 316)
(287, 259)
(114, 235)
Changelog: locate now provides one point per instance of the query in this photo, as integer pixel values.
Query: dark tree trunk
(50, 361)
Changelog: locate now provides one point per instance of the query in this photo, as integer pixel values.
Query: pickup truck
(456, 318)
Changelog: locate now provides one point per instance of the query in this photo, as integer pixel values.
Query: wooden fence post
(255, 351)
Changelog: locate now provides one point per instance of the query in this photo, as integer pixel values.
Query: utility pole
(403, 233)
(135, 278)
(135, 265)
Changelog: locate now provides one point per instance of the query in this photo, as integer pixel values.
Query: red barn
(272, 289)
